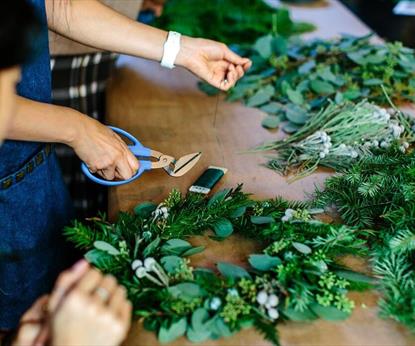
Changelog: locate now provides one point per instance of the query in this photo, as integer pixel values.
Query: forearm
(42, 122)
(92, 23)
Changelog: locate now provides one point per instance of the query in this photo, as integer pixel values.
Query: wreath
(297, 275)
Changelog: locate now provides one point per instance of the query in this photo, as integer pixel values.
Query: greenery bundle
(295, 277)
(292, 80)
(229, 21)
(339, 135)
(379, 192)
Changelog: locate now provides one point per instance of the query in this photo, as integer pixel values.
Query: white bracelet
(171, 49)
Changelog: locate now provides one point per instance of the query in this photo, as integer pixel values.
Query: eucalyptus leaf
(97, 257)
(106, 247)
(264, 46)
(302, 248)
(307, 67)
(261, 220)
(218, 197)
(223, 228)
(261, 96)
(199, 317)
(290, 128)
(356, 277)
(329, 313)
(171, 263)
(232, 271)
(322, 87)
(299, 316)
(271, 122)
(198, 335)
(193, 251)
(296, 114)
(150, 248)
(175, 331)
(186, 289)
(295, 97)
(373, 81)
(272, 108)
(264, 262)
(237, 213)
(144, 209)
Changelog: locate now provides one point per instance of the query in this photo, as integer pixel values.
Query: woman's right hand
(92, 310)
(103, 151)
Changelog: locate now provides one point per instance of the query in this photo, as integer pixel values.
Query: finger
(117, 299)
(123, 170)
(89, 281)
(231, 77)
(107, 173)
(234, 58)
(125, 312)
(240, 71)
(37, 311)
(247, 65)
(66, 282)
(105, 290)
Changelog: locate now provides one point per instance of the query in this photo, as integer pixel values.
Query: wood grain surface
(167, 113)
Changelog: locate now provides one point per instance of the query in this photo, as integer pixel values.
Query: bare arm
(99, 147)
(92, 23)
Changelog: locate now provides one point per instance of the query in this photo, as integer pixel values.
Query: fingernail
(80, 266)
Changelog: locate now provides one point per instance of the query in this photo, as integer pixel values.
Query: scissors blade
(182, 165)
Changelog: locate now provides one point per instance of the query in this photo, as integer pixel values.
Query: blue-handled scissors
(173, 167)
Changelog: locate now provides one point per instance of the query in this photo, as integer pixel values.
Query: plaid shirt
(79, 82)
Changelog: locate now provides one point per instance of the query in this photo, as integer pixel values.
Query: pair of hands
(106, 154)
(76, 314)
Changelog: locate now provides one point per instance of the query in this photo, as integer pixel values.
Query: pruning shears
(173, 167)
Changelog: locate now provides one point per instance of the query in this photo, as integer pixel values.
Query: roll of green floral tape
(210, 177)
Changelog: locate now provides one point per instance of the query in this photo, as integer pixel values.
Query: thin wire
(216, 131)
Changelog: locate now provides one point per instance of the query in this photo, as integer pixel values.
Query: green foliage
(298, 78)
(378, 192)
(228, 21)
(148, 252)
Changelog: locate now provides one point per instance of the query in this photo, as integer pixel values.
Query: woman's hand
(212, 61)
(32, 323)
(103, 151)
(92, 310)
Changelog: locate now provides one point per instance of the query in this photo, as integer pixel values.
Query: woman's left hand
(212, 61)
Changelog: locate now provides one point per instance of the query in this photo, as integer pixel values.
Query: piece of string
(215, 115)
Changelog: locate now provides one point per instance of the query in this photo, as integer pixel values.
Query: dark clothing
(34, 204)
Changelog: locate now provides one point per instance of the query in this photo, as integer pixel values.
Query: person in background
(83, 299)
(34, 202)
(80, 75)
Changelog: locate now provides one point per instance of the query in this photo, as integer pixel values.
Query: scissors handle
(137, 149)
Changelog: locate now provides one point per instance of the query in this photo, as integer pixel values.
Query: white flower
(405, 145)
(326, 151)
(215, 303)
(354, 154)
(375, 143)
(402, 148)
(141, 272)
(322, 155)
(149, 263)
(384, 144)
(233, 292)
(273, 300)
(342, 146)
(289, 212)
(273, 313)
(136, 263)
(285, 218)
(262, 298)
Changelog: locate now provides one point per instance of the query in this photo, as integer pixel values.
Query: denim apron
(34, 204)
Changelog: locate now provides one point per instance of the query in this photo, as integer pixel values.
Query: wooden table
(166, 112)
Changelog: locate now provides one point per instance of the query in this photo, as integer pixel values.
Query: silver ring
(103, 294)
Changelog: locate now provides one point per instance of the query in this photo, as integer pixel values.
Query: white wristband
(171, 49)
